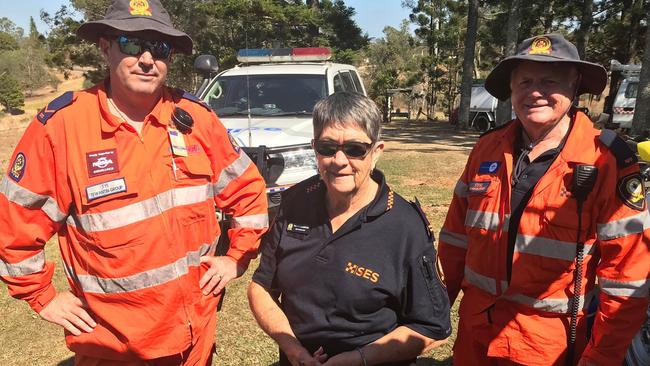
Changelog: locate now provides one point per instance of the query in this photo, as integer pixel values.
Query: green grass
(27, 340)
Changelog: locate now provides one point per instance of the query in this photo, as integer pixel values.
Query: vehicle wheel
(482, 124)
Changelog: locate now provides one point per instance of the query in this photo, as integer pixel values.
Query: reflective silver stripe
(30, 265)
(506, 223)
(624, 288)
(232, 172)
(142, 280)
(29, 199)
(457, 240)
(143, 210)
(482, 219)
(561, 306)
(548, 247)
(252, 221)
(485, 283)
(625, 226)
(461, 189)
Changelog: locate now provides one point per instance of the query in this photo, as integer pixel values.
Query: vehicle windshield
(267, 95)
(630, 91)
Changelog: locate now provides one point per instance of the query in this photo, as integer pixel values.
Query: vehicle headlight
(299, 160)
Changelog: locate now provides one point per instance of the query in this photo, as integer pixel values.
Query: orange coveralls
(526, 321)
(132, 220)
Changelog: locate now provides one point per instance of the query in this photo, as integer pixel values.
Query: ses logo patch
(18, 167)
(362, 272)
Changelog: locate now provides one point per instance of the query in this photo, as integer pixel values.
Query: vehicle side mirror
(644, 150)
(206, 65)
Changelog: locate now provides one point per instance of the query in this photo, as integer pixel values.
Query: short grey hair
(347, 108)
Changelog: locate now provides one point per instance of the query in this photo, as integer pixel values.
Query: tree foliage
(393, 61)
(11, 97)
(441, 26)
(22, 63)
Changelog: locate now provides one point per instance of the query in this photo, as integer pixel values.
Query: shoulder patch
(57, 104)
(624, 155)
(189, 96)
(423, 216)
(631, 191)
(496, 128)
(18, 167)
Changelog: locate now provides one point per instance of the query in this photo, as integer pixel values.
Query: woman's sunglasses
(351, 149)
(134, 46)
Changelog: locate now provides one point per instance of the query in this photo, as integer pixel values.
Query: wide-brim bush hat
(136, 16)
(546, 48)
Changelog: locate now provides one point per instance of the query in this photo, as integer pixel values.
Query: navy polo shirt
(523, 187)
(346, 289)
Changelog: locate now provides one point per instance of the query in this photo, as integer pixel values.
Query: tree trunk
(548, 19)
(504, 109)
(641, 121)
(468, 64)
(433, 73)
(582, 35)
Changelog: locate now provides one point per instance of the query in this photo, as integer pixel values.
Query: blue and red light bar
(284, 54)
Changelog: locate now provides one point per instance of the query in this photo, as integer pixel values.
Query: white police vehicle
(266, 104)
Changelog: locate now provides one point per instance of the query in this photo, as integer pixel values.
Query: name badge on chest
(105, 189)
(177, 140)
(297, 229)
(478, 187)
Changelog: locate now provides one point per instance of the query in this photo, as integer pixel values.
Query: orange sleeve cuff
(42, 299)
(242, 258)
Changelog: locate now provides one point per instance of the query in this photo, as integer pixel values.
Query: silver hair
(347, 108)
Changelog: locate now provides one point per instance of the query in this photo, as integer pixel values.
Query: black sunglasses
(351, 149)
(134, 46)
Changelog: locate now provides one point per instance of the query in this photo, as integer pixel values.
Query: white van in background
(625, 99)
(623, 107)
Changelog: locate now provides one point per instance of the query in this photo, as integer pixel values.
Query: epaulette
(189, 96)
(313, 187)
(57, 104)
(624, 155)
(496, 128)
(423, 216)
(307, 186)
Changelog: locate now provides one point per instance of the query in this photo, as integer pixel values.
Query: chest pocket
(560, 222)
(106, 210)
(561, 211)
(195, 167)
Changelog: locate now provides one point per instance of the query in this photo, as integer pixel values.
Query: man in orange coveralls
(127, 174)
(541, 196)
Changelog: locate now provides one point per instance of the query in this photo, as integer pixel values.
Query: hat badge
(139, 7)
(540, 45)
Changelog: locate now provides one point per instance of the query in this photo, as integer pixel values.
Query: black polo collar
(383, 201)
